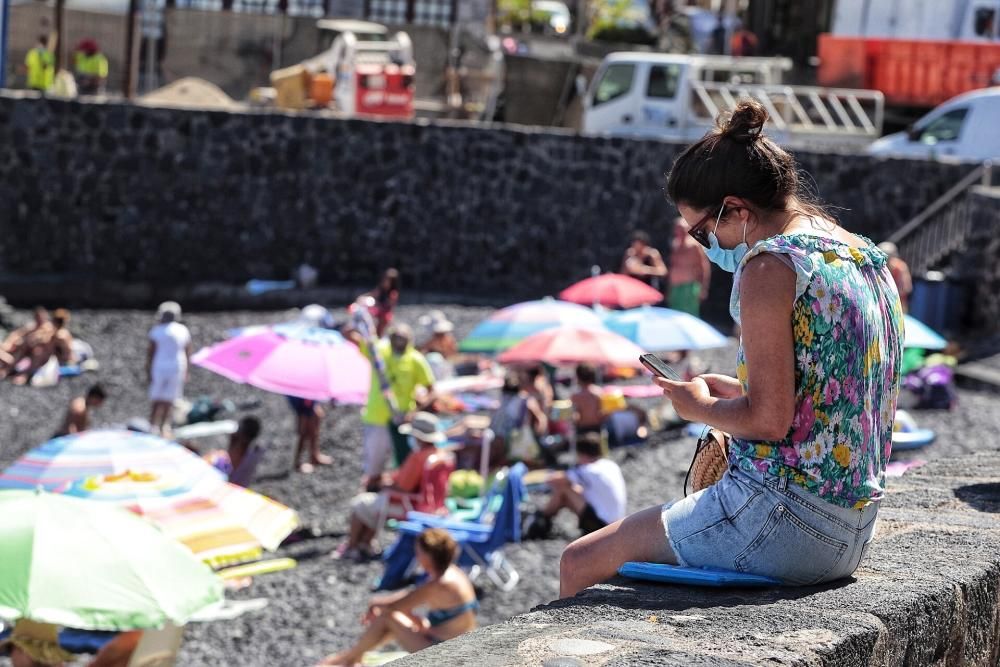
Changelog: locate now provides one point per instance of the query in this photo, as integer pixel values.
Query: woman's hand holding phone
(722, 386)
(690, 399)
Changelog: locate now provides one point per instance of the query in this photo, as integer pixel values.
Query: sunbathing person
(18, 344)
(44, 343)
(448, 594)
(588, 415)
(594, 491)
(77, 417)
(228, 460)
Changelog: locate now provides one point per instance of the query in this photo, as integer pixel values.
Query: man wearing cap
(31, 643)
(440, 346)
(369, 509)
(406, 370)
(90, 67)
(167, 364)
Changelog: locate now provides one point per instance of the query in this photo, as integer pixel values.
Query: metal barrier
(801, 109)
(943, 227)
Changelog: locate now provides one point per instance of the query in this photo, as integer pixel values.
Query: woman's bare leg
(376, 633)
(596, 557)
(409, 635)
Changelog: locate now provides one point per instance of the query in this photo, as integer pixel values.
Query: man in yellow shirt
(90, 67)
(40, 64)
(406, 370)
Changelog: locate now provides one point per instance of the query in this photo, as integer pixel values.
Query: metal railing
(800, 109)
(943, 227)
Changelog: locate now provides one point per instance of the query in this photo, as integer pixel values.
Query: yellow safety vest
(41, 65)
(95, 65)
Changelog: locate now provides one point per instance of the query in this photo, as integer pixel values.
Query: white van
(966, 127)
(677, 97)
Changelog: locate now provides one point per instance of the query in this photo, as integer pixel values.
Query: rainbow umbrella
(664, 329)
(611, 290)
(63, 460)
(221, 523)
(569, 345)
(91, 566)
(293, 360)
(511, 325)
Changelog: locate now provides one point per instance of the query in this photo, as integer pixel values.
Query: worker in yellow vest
(90, 67)
(40, 64)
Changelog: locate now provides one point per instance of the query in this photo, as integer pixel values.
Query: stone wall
(169, 197)
(979, 264)
(928, 594)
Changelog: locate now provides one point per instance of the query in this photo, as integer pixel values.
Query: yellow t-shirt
(405, 373)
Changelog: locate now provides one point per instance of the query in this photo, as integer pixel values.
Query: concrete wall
(170, 197)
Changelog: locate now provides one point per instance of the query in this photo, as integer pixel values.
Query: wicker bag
(710, 460)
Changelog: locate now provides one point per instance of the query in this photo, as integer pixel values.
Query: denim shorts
(761, 524)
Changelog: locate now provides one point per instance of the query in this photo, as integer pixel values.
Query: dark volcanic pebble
(315, 608)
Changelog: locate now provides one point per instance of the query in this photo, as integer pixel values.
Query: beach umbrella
(63, 460)
(221, 523)
(293, 360)
(921, 336)
(664, 329)
(511, 325)
(611, 290)
(94, 566)
(571, 345)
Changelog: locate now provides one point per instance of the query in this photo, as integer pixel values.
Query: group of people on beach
(39, 342)
(807, 420)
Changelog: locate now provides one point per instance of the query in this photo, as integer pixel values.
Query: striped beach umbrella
(64, 460)
(509, 326)
(221, 523)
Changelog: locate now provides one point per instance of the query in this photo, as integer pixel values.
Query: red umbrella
(611, 290)
(570, 345)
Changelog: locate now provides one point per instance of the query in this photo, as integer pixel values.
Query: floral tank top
(847, 324)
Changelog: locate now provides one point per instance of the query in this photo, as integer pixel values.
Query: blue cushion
(921, 437)
(693, 576)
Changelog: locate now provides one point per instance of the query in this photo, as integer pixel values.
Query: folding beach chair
(481, 543)
(429, 498)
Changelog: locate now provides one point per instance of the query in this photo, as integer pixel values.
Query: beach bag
(47, 375)
(710, 460)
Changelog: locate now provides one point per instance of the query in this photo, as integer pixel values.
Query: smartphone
(658, 367)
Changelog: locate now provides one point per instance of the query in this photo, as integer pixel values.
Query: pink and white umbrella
(571, 345)
(293, 360)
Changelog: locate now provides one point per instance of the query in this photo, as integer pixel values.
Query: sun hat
(171, 307)
(424, 427)
(40, 641)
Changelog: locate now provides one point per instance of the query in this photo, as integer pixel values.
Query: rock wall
(926, 594)
(126, 193)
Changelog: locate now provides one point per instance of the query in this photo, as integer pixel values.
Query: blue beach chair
(481, 543)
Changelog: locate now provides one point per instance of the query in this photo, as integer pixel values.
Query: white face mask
(727, 259)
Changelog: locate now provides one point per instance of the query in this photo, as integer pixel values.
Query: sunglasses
(699, 231)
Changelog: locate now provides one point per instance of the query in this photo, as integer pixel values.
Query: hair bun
(746, 123)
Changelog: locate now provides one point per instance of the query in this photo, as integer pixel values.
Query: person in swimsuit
(588, 413)
(77, 417)
(690, 271)
(812, 405)
(447, 592)
(644, 262)
(308, 420)
(386, 295)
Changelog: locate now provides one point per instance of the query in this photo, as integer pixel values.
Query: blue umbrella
(922, 336)
(663, 329)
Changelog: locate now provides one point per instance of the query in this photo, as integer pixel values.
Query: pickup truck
(677, 97)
